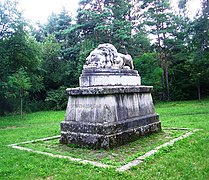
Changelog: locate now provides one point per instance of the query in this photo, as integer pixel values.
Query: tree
(150, 71)
(200, 47)
(86, 47)
(109, 21)
(57, 98)
(60, 48)
(181, 86)
(121, 24)
(53, 72)
(65, 32)
(23, 55)
(18, 86)
(18, 51)
(10, 18)
(159, 19)
(94, 21)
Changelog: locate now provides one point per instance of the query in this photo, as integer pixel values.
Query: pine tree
(158, 18)
(200, 45)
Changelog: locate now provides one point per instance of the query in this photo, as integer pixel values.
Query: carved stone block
(105, 117)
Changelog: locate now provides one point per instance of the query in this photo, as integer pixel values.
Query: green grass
(114, 157)
(186, 159)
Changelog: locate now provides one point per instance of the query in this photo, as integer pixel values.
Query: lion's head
(96, 58)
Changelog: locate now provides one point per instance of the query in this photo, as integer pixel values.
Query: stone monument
(110, 108)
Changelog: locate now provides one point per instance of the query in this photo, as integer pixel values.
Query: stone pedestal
(108, 116)
(109, 77)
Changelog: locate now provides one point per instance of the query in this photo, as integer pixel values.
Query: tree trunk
(21, 93)
(100, 6)
(163, 86)
(160, 53)
(166, 75)
(161, 64)
(21, 109)
(198, 90)
(166, 65)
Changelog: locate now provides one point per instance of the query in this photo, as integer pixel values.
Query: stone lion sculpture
(125, 61)
(106, 56)
(97, 58)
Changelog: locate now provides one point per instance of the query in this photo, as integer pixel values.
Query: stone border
(36, 140)
(141, 159)
(123, 168)
(16, 146)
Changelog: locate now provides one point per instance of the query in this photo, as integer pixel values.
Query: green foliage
(86, 47)
(62, 38)
(197, 54)
(94, 25)
(17, 87)
(51, 48)
(150, 71)
(160, 20)
(10, 18)
(57, 70)
(200, 44)
(57, 98)
(18, 84)
(20, 57)
(24, 53)
(140, 44)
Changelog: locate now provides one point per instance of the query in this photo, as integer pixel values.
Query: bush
(57, 98)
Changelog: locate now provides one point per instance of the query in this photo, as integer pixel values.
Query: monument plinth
(110, 108)
(109, 77)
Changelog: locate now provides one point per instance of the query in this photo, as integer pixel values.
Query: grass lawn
(186, 159)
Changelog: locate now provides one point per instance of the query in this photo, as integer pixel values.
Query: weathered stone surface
(105, 90)
(106, 56)
(104, 117)
(110, 140)
(108, 108)
(109, 77)
(108, 128)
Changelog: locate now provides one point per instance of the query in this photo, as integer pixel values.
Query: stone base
(108, 136)
(105, 117)
(112, 77)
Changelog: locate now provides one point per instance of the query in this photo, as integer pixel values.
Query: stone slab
(108, 108)
(108, 128)
(109, 77)
(111, 71)
(108, 141)
(103, 90)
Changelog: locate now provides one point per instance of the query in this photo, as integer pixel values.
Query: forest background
(39, 62)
